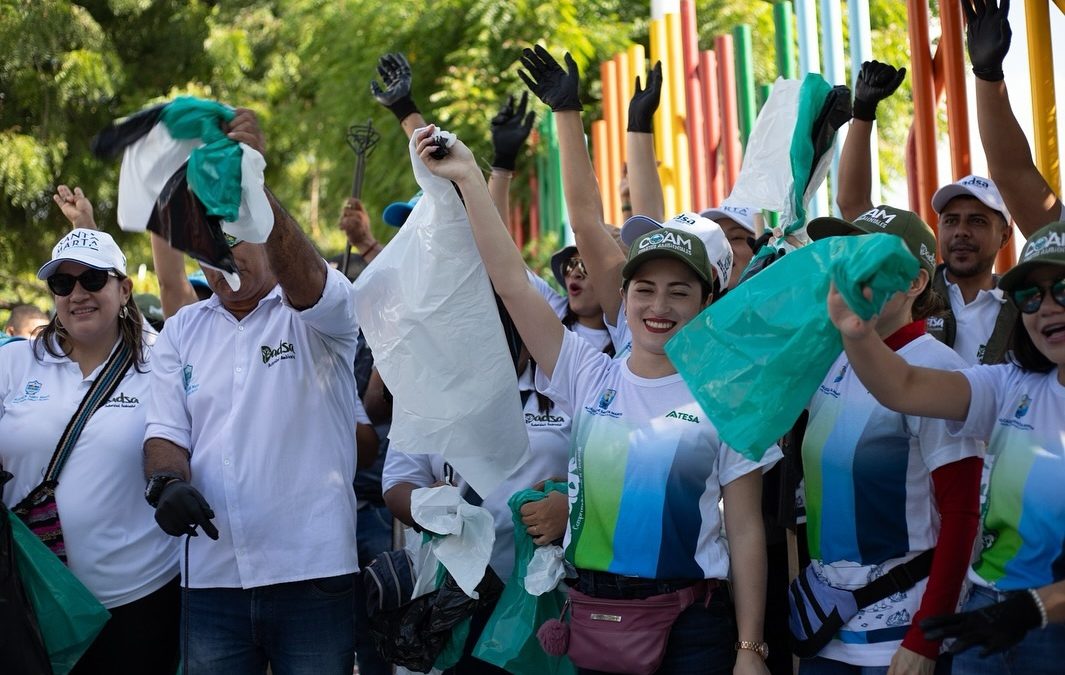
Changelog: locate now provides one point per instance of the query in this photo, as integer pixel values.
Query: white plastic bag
(469, 531)
(255, 219)
(545, 570)
(427, 310)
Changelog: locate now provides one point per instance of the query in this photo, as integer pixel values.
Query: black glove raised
(182, 508)
(510, 128)
(552, 85)
(645, 102)
(988, 35)
(396, 96)
(996, 627)
(876, 81)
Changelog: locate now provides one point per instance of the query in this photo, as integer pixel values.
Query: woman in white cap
(647, 468)
(1015, 407)
(93, 356)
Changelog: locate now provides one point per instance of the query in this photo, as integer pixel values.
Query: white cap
(91, 248)
(983, 189)
(713, 237)
(744, 215)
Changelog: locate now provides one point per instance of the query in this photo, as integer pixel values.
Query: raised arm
(602, 257)
(396, 95)
(904, 388)
(876, 81)
(510, 127)
(1030, 200)
(537, 323)
(645, 186)
(355, 224)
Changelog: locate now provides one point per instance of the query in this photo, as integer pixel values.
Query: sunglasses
(91, 280)
(1028, 300)
(572, 265)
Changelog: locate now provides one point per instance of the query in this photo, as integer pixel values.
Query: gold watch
(759, 648)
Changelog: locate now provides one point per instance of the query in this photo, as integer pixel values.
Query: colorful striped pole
(730, 130)
(1044, 106)
(957, 98)
(611, 170)
(712, 123)
(696, 122)
(924, 110)
(681, 156)
(600, 162)
(664, 146)
(784, 37)
(745, 92)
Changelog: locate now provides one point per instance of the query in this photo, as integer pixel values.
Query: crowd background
(70, 68)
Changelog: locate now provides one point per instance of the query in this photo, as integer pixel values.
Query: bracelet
(759, 648)
(1042, 608)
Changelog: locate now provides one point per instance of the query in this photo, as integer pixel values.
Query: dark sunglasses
(572, 265)
(1028, 300)
(91, 280)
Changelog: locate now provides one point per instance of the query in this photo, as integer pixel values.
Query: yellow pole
(1061, 5)
(1044, 107)
(625, 81)
(664, 117)
(681, 159)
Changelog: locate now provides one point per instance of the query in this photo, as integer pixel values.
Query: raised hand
(395, 72)
(850, 325)
(552, 85)
(510, 128)
(244, 128)
(988, 36)
(645, 102)
(355, 223)
(876, 81)
(454, 165)
(75, 206)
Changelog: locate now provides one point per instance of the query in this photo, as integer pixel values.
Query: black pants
(140, 639)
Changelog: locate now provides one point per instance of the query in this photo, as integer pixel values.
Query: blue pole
(832, 32)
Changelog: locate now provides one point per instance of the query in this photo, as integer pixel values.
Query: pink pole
(712, 127)
(730, 128)
(695, 121)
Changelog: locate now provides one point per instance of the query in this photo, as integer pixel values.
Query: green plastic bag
(214, 168)
(753, 359)
(69, 616)
(509, 638)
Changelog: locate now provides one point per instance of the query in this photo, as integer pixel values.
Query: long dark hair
(1023, 352)
(928, 303)
(53, 337)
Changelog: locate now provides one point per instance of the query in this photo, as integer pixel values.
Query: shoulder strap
(100, 391)
(942, 326)
(998, 341)
(900, 578)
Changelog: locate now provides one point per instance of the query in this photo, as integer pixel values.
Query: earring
(123, 313)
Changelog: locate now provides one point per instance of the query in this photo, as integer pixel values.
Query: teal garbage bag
(509, 638)
(753, 358)
(69, 616)
(214, 168)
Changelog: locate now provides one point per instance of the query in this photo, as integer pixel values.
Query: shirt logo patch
(122, 401)
(683, 416)
(606, 398)
(31, 392)
(186, 375)
(283, 351)
(1023, 406)
(544, 420)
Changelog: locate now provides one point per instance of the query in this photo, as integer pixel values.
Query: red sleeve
(957, 494)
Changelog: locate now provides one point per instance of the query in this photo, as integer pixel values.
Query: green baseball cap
(667, 242)
(908, 225)
(1045, 247)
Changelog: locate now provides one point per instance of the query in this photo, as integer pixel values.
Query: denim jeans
(823, 666)
(702, 641)
(374, 535)
(1042, 651)
(299, 628)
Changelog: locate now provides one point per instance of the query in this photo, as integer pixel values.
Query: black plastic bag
(181, 219)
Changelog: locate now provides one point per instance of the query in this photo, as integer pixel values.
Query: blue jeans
(299, 628)
(702, 641)
(374, 535)
(1042, 651)
(822, 666)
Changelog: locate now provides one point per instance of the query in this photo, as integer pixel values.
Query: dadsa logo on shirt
(283, 351)
(121, 400)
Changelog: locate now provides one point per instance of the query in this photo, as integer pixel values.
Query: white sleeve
(168, 413)
(334, 313)
(732, 465)
(559, 303)
(577, 370)
(985, 385)
(360, 413)
(413, 468)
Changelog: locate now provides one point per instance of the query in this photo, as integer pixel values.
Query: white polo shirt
(113, 543)
(975, 321)
(266, 408)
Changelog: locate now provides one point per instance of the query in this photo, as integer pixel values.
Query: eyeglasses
(574, 264)
(91, 280)
(1028, 300)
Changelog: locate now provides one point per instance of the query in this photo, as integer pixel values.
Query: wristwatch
(759, 648)
(156, 483)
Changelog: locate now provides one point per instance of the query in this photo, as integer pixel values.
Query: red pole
(712, 123)
(689, 39)
(954, 71)
(730, 129)
(924, 108)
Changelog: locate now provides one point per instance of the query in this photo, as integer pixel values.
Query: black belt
(617, 587)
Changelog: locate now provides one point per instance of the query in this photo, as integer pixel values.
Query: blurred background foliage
(305, 67)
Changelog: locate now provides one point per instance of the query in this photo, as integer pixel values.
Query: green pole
(557, 204)
(745, 94)
(543, 179)
(784, 35)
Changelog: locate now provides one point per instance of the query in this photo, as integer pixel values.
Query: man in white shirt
(974, 225)
(251, 439)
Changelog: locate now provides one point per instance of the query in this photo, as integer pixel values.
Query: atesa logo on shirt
(1023, 406)
(683, 416)
(283, 351)
(120, 400)
(31, 393)
(606, 397)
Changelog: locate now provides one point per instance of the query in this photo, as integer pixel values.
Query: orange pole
(611, 171)
(696, 125)
(924, 107)
(957, 100)
(534, 207)
(517, 227)
(730, 130)
(712, 123)
(600, 162)
(625, 82)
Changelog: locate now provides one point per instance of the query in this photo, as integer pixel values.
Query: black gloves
(181, 508)
(876, 81)
(988, 36)
(644, 102)
(510, 128)
(552, 85)
(995, 627)
(395, 72)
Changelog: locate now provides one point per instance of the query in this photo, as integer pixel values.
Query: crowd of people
(931, 456)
